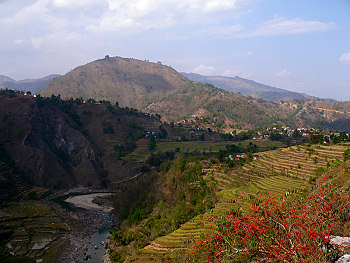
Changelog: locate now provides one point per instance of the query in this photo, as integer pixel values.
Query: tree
(346, 155)
(276, 229)
(152, 145)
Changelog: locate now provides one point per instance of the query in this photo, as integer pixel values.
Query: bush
(319, 171)
(276, 229)
(32, 195)
(346, 155)
(117, 255)
(335, 163)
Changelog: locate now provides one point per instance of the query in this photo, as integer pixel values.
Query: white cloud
(294, 26)
(204, 70)
(208, 6)
(283, 73)
(221, 31)
(36, 15)
(137, 15)
(237, 54)
(18, 41)
(345, 58)
(275, 27)
(72, 4)
(36, 42)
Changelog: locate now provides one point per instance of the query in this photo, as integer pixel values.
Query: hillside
(60, 144)
(159, 89)
(248, 87)
(5, 78)
(32, 85)
(290, 172)
(131, 82)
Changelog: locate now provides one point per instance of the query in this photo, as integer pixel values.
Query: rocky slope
(42, 142)
(58, 143)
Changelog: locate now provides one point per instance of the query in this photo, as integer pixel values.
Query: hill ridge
(249, 87)
(159, 89)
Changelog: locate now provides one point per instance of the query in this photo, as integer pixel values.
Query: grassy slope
(274, 172)
(131, 82)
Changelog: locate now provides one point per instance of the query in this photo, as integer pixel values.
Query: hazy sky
(300, 45)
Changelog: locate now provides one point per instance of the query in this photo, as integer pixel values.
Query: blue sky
(302, 46)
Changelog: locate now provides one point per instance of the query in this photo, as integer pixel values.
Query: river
(96, 231)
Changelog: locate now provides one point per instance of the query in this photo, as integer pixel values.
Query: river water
(99, 236)
(95, 249)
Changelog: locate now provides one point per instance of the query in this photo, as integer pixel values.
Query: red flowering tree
(277, 229)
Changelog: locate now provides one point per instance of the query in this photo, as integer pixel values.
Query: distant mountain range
(249, 87)
(5, 78)
(32, 85)
(159, 89)
(232, 84)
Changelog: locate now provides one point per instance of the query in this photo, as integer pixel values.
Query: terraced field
(211, 146)
(279, 171)
(33, 227)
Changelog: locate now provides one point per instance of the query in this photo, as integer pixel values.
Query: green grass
(229, 130)
(136, 157)
(208, 146)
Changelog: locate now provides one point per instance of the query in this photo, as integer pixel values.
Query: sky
(299, 45)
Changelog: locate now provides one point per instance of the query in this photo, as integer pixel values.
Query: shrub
(346, 155)
(276, 229)
(117, 255)
(335, 163)
(319, 171)
(32, 195)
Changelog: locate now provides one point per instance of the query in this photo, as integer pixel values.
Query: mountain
(248, 87)
(5, 78)
(159, 89)
(32, 85)
(131, 82)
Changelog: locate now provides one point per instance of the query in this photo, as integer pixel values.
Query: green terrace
(34, 230)
(281, 171)
(209, 146)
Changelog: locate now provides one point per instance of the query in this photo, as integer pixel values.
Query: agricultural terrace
(285, 170)
(209, 146)
(35, 230)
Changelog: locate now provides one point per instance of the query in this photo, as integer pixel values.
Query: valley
(174, 131)
(123, 160)
(287, 171)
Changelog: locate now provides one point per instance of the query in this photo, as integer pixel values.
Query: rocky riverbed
(85, 221)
